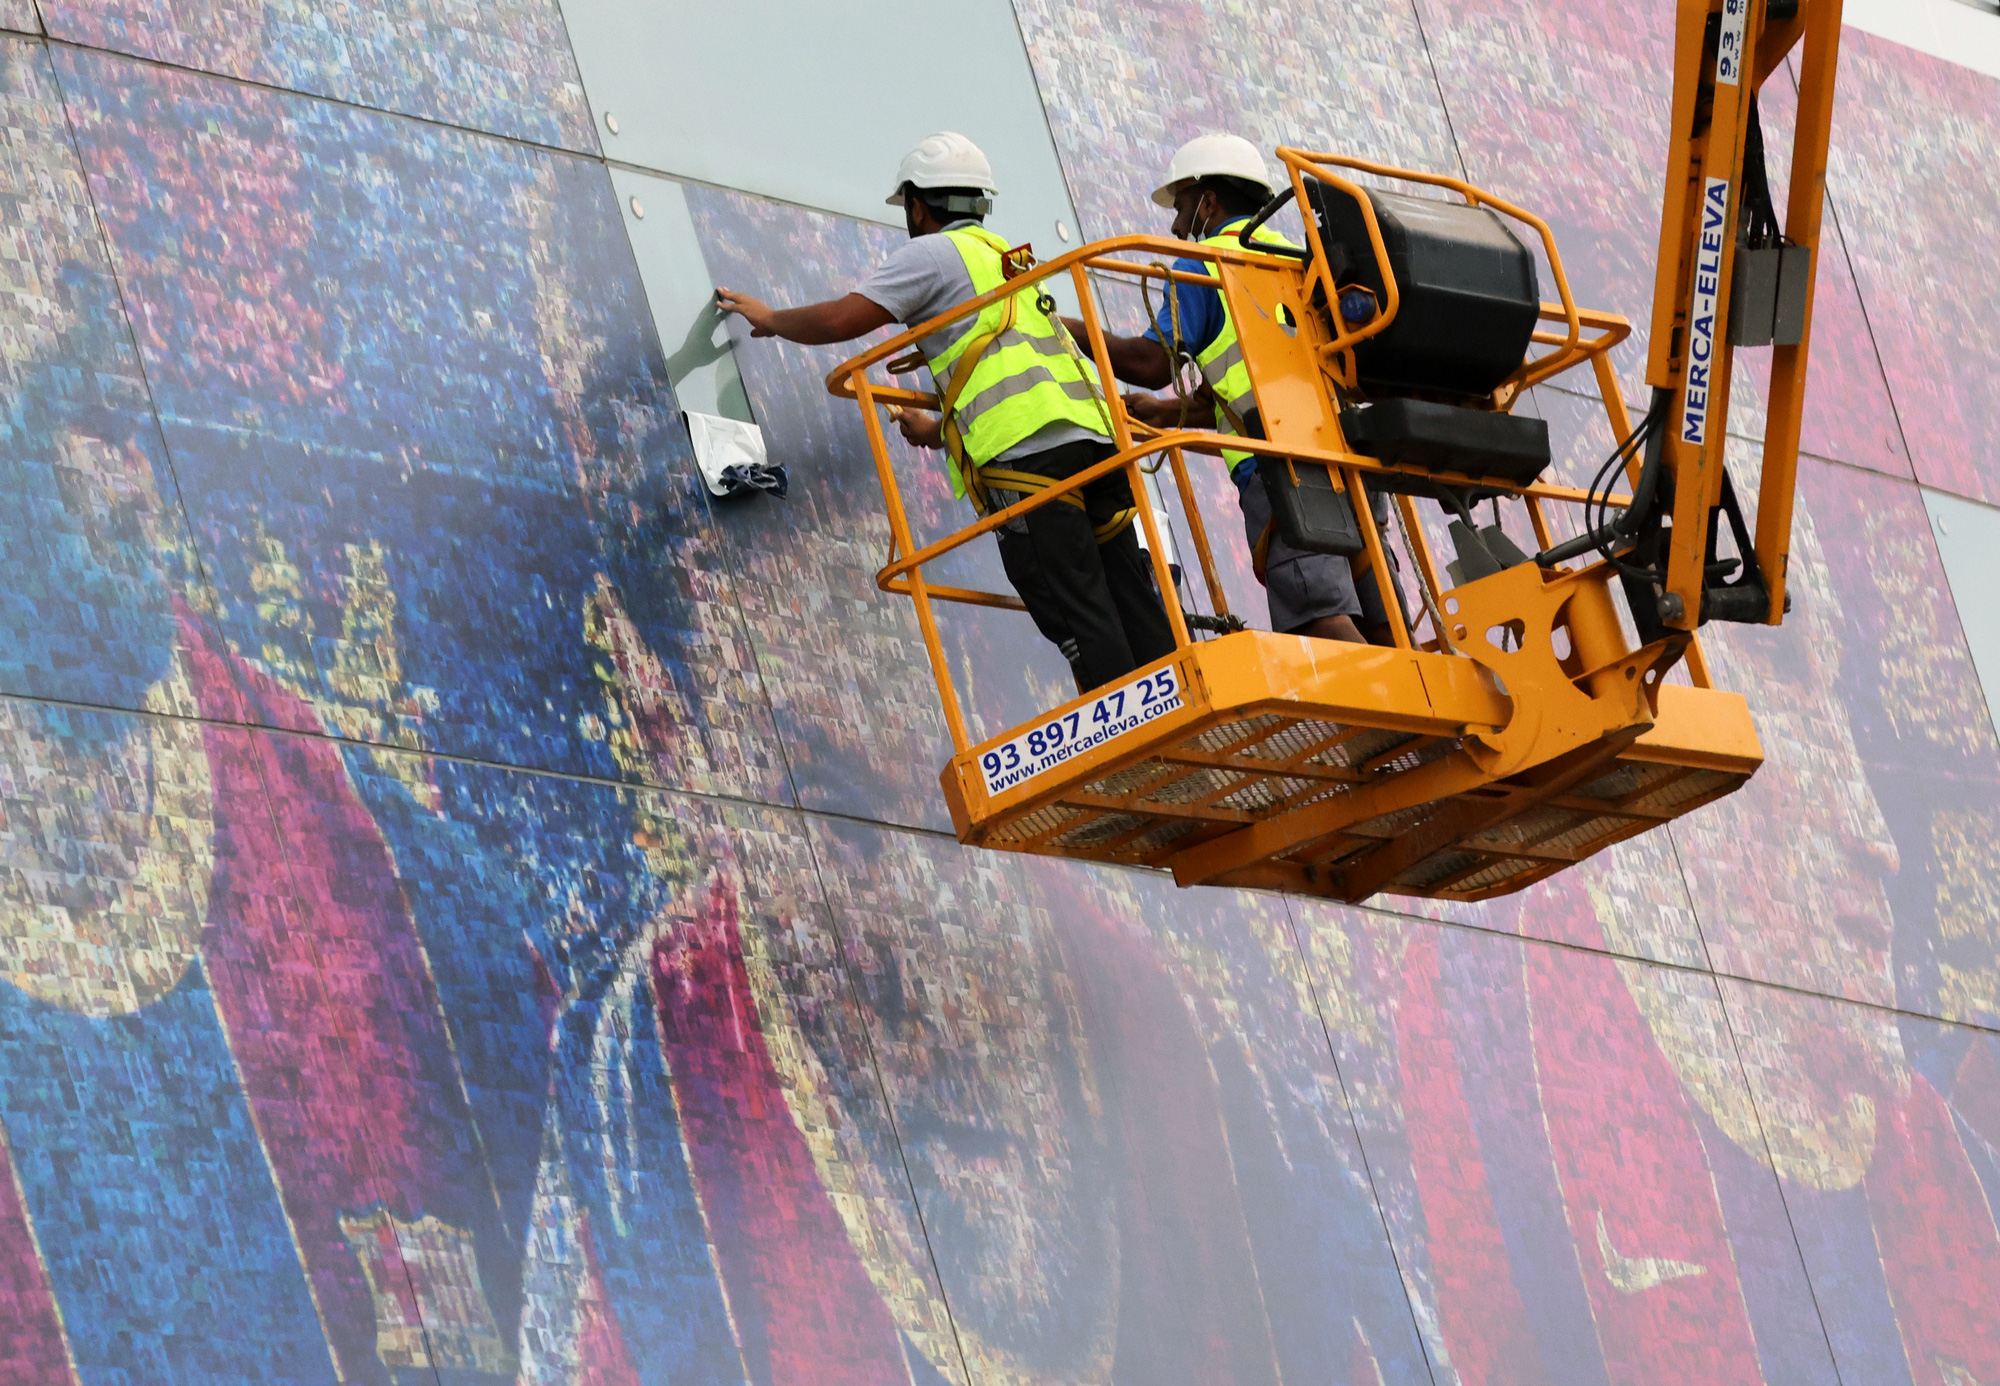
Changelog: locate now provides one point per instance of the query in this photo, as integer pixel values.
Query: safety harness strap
(961, 376)
(979, 479)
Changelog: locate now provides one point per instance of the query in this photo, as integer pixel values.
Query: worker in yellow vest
(1021, 410)
(1214, 185)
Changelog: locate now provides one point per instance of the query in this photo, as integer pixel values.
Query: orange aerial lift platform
(1525, 718)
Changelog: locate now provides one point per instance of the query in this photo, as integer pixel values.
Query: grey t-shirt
(926, 276)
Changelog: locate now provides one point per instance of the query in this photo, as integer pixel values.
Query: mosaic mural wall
(473, 909)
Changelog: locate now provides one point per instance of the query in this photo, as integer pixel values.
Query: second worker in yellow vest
(1021, 411)
(1215, 184)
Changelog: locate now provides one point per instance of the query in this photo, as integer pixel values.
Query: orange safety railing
(1137, 443)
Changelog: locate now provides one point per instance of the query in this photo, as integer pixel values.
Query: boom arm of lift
(1726, 277)
(1525, 731)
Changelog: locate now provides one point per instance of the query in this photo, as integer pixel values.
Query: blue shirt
(1200, 305)
(1201, 323)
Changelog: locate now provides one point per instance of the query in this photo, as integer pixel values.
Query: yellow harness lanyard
(1260, 552)
(978, 478)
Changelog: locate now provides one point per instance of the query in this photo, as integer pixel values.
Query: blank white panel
(700, 360)
(816, 103)
(1968, 539)
(1942, 28)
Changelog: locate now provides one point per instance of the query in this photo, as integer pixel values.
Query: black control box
(1470, 298)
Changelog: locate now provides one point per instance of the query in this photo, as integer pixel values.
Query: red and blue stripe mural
(475, 912)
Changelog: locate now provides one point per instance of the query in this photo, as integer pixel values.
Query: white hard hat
(944, 160)
(1212, 156)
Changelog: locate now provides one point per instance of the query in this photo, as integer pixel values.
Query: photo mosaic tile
(1884, 1130)
(654, 1174)
(1912, 174)
(504, 68)
(422, 426)
(148, 1142)
(328, 1062)
(1850, 864)
(1566, 1149)
(1127, 84)
(104, 577)
(570, 1000)
(1129, 1145)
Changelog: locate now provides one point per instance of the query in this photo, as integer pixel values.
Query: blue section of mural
(533, 907)
(149, 1191)
(90, 525)
(150, 1195)
(474, 924)
(504, 68)
(416, 394)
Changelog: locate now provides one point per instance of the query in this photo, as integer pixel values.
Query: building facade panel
(502, 68)
(105, 574)
(424, 428)
(1912, 175)
(1967, 533)
(841, 94)
(1131, 1150)
(165, 1106)
(1882, 1129)
(1567, 1151)
(1823, 873)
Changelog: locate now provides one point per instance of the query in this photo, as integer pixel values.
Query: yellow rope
(1176, 353)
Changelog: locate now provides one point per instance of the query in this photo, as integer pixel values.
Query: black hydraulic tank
(1470, 298)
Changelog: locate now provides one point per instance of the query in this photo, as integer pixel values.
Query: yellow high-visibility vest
(1221, 361)
(1010, 372)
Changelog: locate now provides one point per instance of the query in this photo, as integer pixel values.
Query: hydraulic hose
(1264, 214)
(1604, 535)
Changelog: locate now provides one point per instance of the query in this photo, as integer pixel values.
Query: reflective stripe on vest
(1025, 379)
(1221, 361)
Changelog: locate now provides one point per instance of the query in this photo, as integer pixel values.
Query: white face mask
(1202, 233)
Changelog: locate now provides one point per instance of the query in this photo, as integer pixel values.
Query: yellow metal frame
(1700, 153)
(1523, 731)
(1453, 738)
(1136, 442)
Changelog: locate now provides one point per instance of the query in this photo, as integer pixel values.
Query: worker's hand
(1159, 411)
(754, 311)
(920, 429)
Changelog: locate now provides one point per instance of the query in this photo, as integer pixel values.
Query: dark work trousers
(1102, 596)
(1024, 571)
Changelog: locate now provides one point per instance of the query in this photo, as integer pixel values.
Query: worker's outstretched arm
(1140, 361)
(816, 324)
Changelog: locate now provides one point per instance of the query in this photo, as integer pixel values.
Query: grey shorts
(1305, 587)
